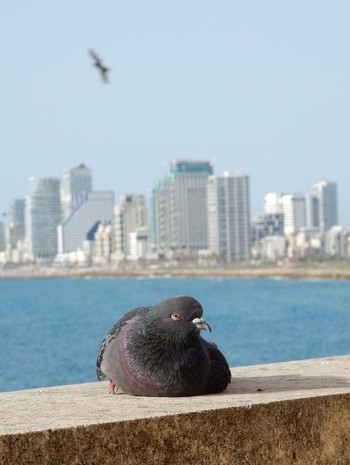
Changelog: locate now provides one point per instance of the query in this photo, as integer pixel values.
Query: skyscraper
(179, 208)
(17, 226)
(2, 237)
(267, 224)
(273, 203)
(292, 206)
(294, 211)
(43, 214)
(325, 193)
(130, 216)
(229, 216)
(75, 182)
(82, 222)
(312, 214)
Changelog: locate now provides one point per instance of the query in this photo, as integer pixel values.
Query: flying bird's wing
(104, 75)
(100, 66)
(94, 56)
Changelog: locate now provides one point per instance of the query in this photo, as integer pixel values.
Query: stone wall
(289, 413)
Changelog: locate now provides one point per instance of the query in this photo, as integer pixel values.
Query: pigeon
(157, 351)
(100, 66)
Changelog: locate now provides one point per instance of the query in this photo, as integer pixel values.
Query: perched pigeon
(157, 351)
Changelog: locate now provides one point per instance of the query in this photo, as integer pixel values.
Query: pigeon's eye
(175, 316)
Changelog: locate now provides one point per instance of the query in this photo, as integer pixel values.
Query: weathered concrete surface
(287, 413)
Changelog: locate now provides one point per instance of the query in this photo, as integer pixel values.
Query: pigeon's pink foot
(113, 388)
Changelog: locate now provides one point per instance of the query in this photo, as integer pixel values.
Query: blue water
(51, 329)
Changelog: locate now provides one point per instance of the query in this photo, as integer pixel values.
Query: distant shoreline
(316, 271)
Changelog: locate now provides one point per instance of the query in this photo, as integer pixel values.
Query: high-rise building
(312, 214)
(17, 226)
(75, 182)
(2, 237)
(138, 244)
(130, 216)
(104, 242)
(179, 208)
(43, 214)
(291, 206)
(267, 224)
(294, 212)
(325, 194)
(82, 222)
(228, 208)
(273, 203)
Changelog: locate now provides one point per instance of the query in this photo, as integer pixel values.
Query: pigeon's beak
(201, 324)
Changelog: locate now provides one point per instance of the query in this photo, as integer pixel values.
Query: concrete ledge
(287, 413)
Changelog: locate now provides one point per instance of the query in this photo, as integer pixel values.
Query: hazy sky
(261, 87)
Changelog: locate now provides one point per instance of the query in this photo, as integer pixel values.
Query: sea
(51, 329)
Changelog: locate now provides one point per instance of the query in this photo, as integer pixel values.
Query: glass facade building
(75, 182)
(81, 224)
(228, 206)
(179, 208)
(43, 215)
(326, 198)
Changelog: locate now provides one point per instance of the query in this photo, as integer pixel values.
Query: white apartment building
(292, 206)
(130, 216)
(294, 211)
(228, 216)
(273, 203)
(179, 208)
(138, 241)
(104, 243)
(336, 242)
(273, 248)
(74, 183)
(43, 214)
(81, 224)
(305, 244)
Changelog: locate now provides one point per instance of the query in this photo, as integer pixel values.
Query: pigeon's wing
(220, 374)
(94, 56)
(113, 334)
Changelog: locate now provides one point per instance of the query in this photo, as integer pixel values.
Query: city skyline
(260, 88)
(148, 195)
(191, 212)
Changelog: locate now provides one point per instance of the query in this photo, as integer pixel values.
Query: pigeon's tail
(100, 374)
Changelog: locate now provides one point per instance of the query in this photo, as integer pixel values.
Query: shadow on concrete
(275, 383)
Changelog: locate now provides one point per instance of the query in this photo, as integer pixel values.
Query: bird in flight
(100, 66)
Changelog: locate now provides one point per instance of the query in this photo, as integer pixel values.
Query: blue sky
(258, 87)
